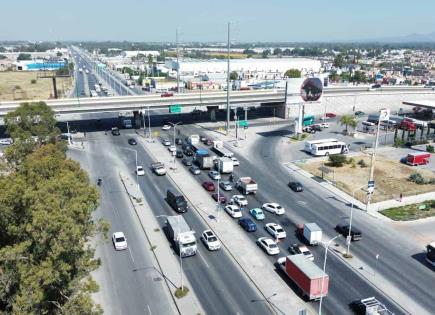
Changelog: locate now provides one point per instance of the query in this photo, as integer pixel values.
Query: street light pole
(324, 271)
(137, 176)
(174, 125)
(350, 221)
(218, 202)
(149, 123)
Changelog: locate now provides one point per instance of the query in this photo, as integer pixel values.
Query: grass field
(390, 176)
(16, 85)
(411, 212)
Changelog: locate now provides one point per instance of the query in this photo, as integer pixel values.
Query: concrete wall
(367, 102)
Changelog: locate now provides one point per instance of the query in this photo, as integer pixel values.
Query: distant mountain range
(411, 38)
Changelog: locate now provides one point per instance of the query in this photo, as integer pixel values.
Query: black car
(359, 113)
(376, 86)
(343, 229)
(187, 162)
(188, 152)
(294, 249)
(316, 127)
(202, 139)
(295, 186)
(178, 141)
(179, 154)
(115, 131)
(132, 141)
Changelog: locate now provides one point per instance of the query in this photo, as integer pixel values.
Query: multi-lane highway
(215, 278)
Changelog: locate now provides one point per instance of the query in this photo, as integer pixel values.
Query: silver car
(166, 142)
(195, 170)
(226, 185)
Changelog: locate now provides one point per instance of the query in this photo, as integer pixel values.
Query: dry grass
(391, 178)
(41, 90)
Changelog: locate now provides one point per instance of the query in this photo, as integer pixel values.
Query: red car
(209, 186)
(221, 197)
(167, 94)
(407, 125)
(330, 115)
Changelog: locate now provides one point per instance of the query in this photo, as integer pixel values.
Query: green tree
(265, 53)
(293, 73)
(337, 160)
(359, 77)
(348, 120)
(339, 61)
(24, 57)
(277, 51)
(46, 224)
(234, 75)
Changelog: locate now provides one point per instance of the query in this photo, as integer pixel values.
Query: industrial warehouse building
(258, 69)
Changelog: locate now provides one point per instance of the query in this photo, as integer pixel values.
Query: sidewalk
(164, 260)
(242, 249)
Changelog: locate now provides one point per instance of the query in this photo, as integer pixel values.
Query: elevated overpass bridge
(338, 100)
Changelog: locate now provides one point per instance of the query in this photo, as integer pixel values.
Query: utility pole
(228, 83)
(178, 61)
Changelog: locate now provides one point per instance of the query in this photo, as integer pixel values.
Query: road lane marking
(203, 259)
(149, 309)
(131, 255)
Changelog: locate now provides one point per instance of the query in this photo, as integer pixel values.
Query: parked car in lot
(215, 175)
(188, 152)
(208, 142)
(330, 115)
(295, 186)
(295, 249)
(202, 139)
(187, 161)
(195, 170)
(343, 229)
(222, 198)
(132, 141)
(172, 148)
(226, 185)
(166, 127)
(178, 141)
(179, 154)
(167, 94)
(309, 129)
(239, 200)
(209, 186)
(115, 131)
(268, 245)
(166, 142)
(210, 240)
(275, 230)
(233, 211)
(376, 86)
(235, 161)
(359, 113)
(247, 224)
(257, 213)
(273, 207)
(140, 171)
(6, 141)
(119, 241)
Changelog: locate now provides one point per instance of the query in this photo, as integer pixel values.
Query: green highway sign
(175, 109)
(243, 123)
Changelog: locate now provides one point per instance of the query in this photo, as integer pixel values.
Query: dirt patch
(411, 212)
(17, 85)
(391, 178)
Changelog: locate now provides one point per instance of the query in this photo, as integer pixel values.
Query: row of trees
(45, 221)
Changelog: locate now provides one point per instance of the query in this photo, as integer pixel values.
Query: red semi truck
(417, 158)
(306, 275)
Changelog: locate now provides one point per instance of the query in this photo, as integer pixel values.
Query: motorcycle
(99, 181)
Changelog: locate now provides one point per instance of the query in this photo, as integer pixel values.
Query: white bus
(326, 147)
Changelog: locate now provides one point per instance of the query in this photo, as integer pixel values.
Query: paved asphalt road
(216, 280)
(128, 282)
(346, 285)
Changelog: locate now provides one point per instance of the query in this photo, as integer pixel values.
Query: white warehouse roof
(276, 65)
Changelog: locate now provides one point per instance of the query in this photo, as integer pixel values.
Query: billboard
(311, 89)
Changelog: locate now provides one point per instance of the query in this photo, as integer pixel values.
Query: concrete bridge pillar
(281, 110)
(137, 120)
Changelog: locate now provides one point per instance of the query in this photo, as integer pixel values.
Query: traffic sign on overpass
(243, 123)
(175, 108)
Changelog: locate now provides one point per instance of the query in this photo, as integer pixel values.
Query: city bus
(326, 147)
(308, 120)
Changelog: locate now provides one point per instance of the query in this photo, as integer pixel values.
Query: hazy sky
(206, 20)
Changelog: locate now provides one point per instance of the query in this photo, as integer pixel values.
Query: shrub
(416, 178)
(362, 163)
(430, 148)
(337, 160)
(33, 81)
(350, 161)
(398, 142)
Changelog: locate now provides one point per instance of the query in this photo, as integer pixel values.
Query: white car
(214, 175)
(273, 207)
(210, 240)
(166, 127)
(6, 141)
(140, 171)
(239, 200)
(233, 211)
(119, 241)
(268, 245)
(166, 142)
(275, 230)
(304, 250)
(172, 148)
(324, 125)
(235, 161)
